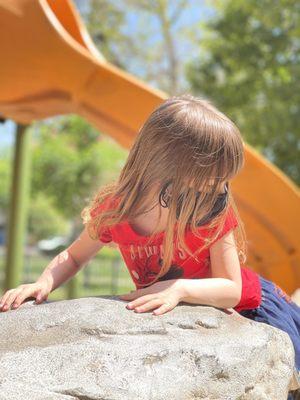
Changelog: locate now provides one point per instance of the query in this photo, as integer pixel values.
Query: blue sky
(7, 131)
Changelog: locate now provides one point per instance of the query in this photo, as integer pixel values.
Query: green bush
(44, 220)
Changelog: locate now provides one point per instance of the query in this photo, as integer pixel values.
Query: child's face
(218, 206)
(203, 188)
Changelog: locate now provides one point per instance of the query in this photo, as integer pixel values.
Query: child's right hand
(15, 297)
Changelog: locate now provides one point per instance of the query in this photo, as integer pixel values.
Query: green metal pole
(18, 208)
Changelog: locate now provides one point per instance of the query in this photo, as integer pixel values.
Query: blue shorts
(277, 309)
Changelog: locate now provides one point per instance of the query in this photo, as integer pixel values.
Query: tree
(251, 71)
(70, 162)
(44, 220)
(146, 38)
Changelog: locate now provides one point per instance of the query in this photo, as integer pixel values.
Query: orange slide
(49, 66)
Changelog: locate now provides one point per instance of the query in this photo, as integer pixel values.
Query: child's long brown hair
(190, 143)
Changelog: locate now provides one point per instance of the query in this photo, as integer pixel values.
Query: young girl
(173, 217)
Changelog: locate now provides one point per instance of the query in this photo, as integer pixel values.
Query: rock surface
(94, 348)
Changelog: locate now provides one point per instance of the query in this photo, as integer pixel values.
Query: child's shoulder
(230, 222)
(110, 201)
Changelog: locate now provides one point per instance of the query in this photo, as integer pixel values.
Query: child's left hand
(162, 295)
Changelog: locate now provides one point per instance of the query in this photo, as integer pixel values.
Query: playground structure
(50, 67)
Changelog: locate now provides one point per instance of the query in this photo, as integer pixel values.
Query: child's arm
(224, 288)
(70, 261)
(60, 269)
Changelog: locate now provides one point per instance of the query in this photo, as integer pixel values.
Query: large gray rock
(95, 348)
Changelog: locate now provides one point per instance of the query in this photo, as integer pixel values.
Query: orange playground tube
(50, 66)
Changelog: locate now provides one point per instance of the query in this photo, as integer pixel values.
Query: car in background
(53, 246)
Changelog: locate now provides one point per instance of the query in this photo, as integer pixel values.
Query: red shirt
(144, 261)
